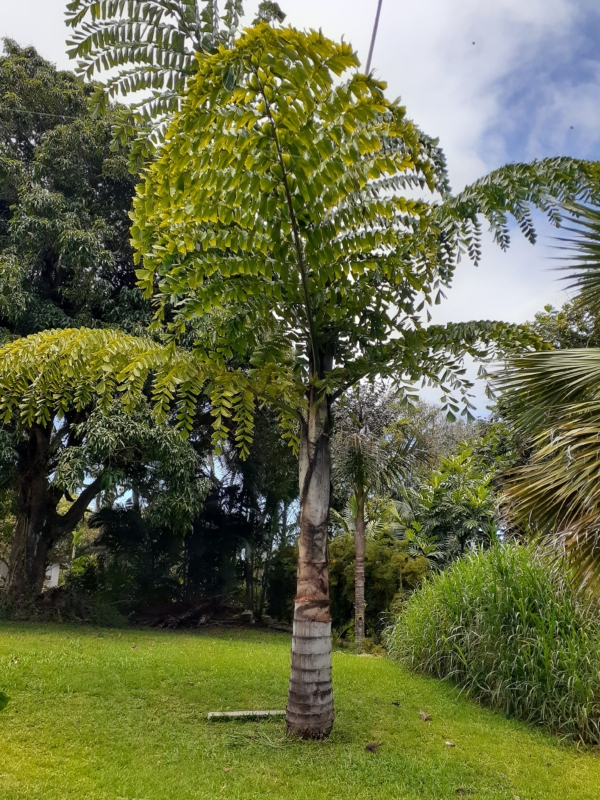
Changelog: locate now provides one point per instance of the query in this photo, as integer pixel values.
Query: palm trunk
(310, 698)
(359, 571)
(249, 575)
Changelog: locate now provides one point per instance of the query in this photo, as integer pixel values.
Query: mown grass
(121, 715)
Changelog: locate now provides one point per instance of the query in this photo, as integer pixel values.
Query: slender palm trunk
(359, 570)
(249, 575)
(310, 699)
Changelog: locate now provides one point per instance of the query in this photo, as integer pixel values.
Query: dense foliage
(514, 633)
(391, 574)
(458, 504)
(65, 257)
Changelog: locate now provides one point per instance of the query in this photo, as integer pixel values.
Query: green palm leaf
(154, 44)
(583, 253)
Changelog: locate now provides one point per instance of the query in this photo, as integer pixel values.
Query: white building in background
(52, 576)
(51, 580)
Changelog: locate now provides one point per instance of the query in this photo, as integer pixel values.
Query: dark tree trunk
(39, 525)
(267, 564)
(30, 544)
(310, 698)
(359, 571)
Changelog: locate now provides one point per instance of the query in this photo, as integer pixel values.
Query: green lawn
(115, 715)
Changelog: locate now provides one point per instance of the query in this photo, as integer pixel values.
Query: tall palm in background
(554, 399)
(374, 447)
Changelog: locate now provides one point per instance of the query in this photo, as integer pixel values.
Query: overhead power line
(374, 36)
(36, 113)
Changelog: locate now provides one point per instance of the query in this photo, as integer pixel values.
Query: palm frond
(555, 401)
(549, 384)
(583, 253)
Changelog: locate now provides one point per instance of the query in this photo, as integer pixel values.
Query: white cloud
(38, 23)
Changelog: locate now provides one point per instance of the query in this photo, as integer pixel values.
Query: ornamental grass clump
(511, 630)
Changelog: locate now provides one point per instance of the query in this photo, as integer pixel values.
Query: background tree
(245, 519)
(65, 256)
(573, 325)
(276, 209)
(268, 482)
(373, 448)
(73, 440)
(452, 508)
(141, 554)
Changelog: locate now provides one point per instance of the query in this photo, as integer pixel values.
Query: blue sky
(499, 81)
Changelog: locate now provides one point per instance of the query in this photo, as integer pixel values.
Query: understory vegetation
(509, 627)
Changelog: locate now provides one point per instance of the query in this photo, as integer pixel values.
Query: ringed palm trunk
(359, 571)
(310, 698)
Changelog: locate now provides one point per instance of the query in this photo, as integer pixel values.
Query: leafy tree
(65, 257)
(373, 447)
(274, 217)
(245, 513)
(276, 208)
(573, 325)
(281, 587)
(65, 260)
(441, 436)
(74, 440)
(143, 558)
(275, 211)
(453, 508)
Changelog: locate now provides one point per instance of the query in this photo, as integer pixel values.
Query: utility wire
(374, 36)
(36, 113)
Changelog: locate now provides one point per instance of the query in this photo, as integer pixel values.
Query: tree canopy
(302, 223)
(278, 199)
(65, 256)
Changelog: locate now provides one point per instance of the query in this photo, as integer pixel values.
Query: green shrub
(510, 629)
(389, 573)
